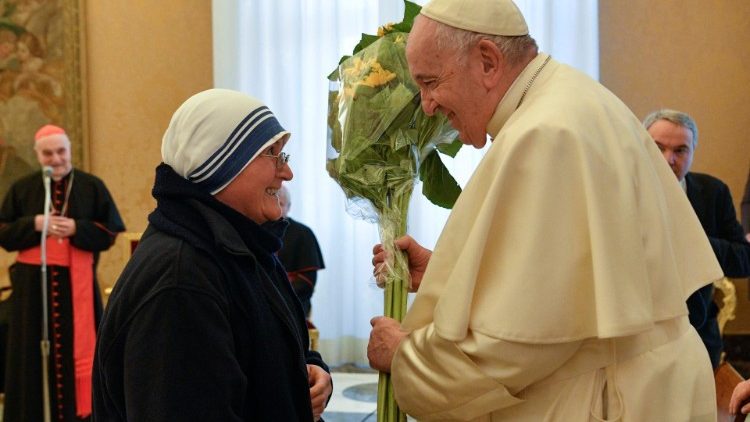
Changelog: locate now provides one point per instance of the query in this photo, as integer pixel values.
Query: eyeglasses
(281, 159)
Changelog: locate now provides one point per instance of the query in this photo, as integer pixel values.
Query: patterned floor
(354, 397)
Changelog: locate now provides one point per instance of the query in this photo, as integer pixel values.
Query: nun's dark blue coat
(203, 324)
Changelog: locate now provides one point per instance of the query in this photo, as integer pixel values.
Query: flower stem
(392, 226)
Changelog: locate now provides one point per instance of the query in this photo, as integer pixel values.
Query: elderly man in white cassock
(557, 289)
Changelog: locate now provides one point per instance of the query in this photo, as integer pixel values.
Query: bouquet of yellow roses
(381, 141)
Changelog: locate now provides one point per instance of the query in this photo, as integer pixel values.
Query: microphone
(47, 176)
(44, 343)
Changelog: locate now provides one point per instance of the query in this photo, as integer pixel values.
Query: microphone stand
(44, 344)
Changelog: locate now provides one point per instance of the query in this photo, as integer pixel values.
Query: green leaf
(450, 149)
(411, 10)
(334, 76)
(437, 183)
(366, 40)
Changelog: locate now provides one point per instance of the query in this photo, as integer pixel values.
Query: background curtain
(281, 52)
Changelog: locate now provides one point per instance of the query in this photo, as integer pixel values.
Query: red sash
(81, 264)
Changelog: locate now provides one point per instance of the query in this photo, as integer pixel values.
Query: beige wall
(144, 58)
(690, 55)
(694, 56)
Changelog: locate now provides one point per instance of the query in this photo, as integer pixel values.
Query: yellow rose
(385, 29)
(378, 76)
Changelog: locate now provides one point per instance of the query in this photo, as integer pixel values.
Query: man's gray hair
(514, 48)
(677, 117)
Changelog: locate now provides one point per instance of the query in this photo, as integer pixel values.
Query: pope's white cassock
(557, 290)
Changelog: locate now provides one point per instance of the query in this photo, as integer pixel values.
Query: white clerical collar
(683, 185)
(512, 98)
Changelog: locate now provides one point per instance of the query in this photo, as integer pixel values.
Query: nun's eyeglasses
(281, 159)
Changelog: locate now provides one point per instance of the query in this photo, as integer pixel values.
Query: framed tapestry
(41, 81)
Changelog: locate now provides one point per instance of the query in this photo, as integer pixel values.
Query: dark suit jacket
(746, 206)
(713, 205)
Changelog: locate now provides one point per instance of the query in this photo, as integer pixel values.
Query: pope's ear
(492, 62)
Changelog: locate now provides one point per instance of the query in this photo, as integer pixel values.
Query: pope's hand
(385, 337)
(417, 256)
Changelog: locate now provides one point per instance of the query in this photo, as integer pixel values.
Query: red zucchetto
(48, 130)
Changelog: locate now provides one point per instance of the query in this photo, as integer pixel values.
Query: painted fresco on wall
(40, 80)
